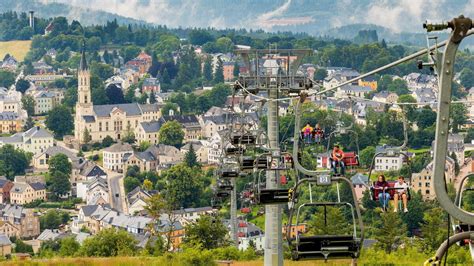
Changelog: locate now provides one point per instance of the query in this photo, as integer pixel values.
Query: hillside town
(91, 138)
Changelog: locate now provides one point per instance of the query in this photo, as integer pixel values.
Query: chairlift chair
(323, 246)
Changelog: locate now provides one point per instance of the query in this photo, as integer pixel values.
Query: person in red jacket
(337, 159)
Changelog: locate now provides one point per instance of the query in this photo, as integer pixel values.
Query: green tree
(171, 133)
(184, 186)
(108, 243)
(467, 78)
(390, 232)
(366, 156)
(28, 124)
(68, 247)
(13, 161)
(190, 157)
(337, 222)
(433, 229)
(130, 183)
(58, 183)
(87, 136)
(320, 74)
(457, 169)
(22, 247)
(207, 232)
(458, 116)
(107, 141)
(219, 73)
(22, 85)
(425, 117)
(60, 121)
(7, 78)
(52, 219)
(28, 103)
(60, 163)
(144, 145)
(129, 136)
(114, 94)
(207, 71)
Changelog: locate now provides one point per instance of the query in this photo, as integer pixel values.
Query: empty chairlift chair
(323, 246)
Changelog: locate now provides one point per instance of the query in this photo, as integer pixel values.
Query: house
(5, 187)
(368, 82)
(136, 200)
(199, 148)
(166, 154)
(52, 53)
(148, 132)
(26, 220)
(423, 182)
(337, 76)
(212, 124)
(35, 140)
(115, 155)
(248, 232)
(5, 245)
(386, 97)
(10, 122)
(97, 191)
(175, 229)
(190, 215)
(360, 183)
(145, 161)
(22, 193)
(45, 79)
(228, 70)
(10, 63)
(86, 176)
(41, 67)
(142, 62)
(151, 85)
(388, 162)
(9, 229)
(424, 95)
(89, 217)
(352, 90)
(131, 224)
(190, 123)
(456, 146)
(10, 101)
(45, 101)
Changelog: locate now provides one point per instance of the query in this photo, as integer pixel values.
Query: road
(117, 191)
(463, 171)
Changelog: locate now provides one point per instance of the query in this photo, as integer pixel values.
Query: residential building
(456, 146)
(5, 187)
(45, 101)
(151, 85)
(5, 245)
(22, 193)
(423, 181)
(25, 219)
(142, 63)
(10, 63)
(190, 123)
(145, 161)
(10, 101)
(115, 155)
(368, 82)
(41, 68)
(360, 183)
(136, 200)
(148, 132)
(352, 90)
(214, 149)
(34, 140)
(45, 79)
(388, 162)
(212, 124)
(386, 97)
(10, 122)
(190, 215)
(199, 148)
(9, 229)
(114, 120)
(97, 191)
(228, 70)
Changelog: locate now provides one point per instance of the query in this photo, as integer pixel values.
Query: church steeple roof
(83, 63)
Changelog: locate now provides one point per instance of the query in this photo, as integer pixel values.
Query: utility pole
(273, 227)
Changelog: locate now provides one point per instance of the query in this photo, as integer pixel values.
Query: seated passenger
(318, 134)
(401, 191)
(380, 186)
(307, 132)
(337, 159)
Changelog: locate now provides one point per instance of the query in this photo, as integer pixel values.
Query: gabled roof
(92, 169)
(3, 182)
(7, 116)
(151, 127)
(49, 234)
(4, 240)
(119, 147)
(182, 119)
(38, 186)
(19, 187)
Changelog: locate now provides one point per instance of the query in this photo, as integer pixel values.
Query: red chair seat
(351, 159)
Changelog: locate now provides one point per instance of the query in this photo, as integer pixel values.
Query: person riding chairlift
(337, 159)
(318, 133)
(401, 191)
(307, 133)
(381, 187)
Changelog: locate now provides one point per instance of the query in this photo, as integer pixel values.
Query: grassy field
(16, 48)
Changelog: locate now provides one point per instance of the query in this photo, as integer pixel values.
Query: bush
(85, 148)
(194, 256)
(96, 145)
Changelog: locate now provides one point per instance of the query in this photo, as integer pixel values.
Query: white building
(46, 100)
(115, 155)
(387, 162)
(199, 148)
(34, 140)
(10, 101)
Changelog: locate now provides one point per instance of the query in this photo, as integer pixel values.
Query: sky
(398, 15)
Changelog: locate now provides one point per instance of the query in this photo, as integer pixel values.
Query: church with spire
(95, 122)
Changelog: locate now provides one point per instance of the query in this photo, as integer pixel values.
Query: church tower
(84, 105)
